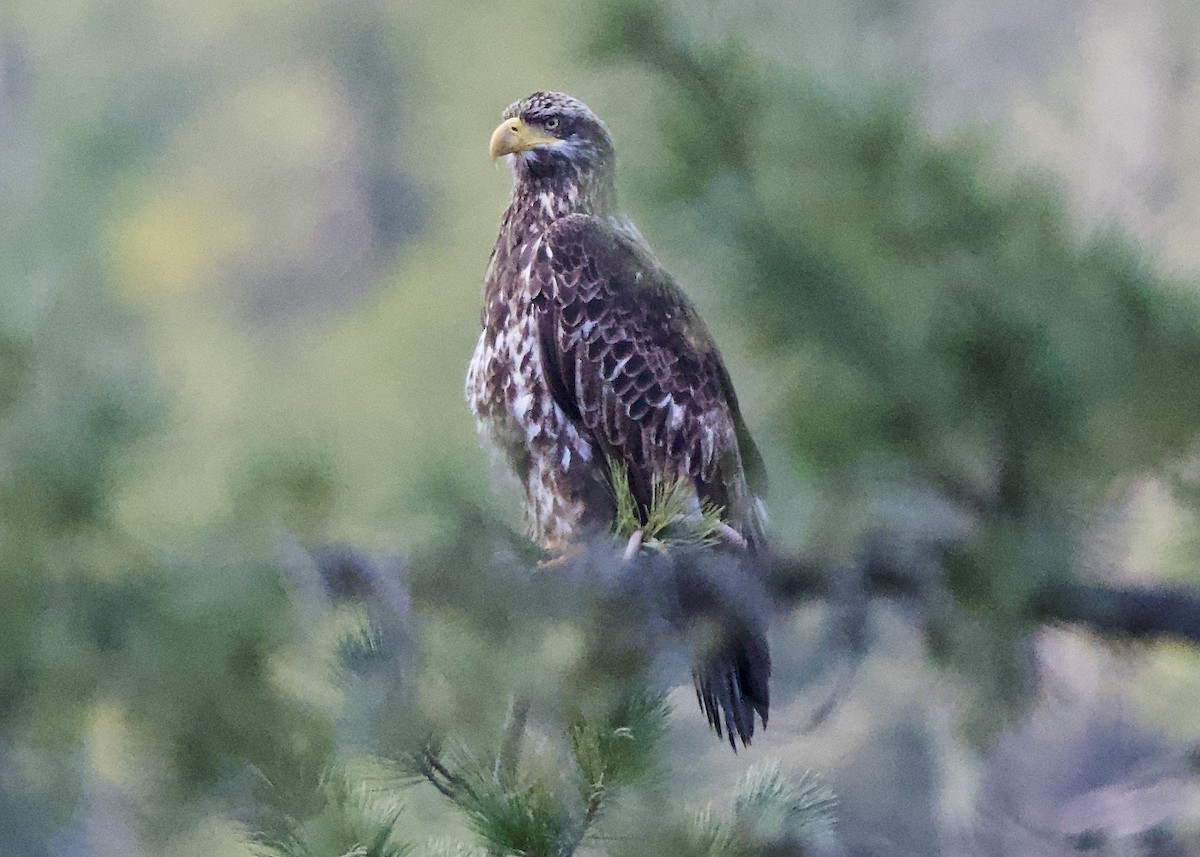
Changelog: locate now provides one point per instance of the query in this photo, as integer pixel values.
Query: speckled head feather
(579, 149)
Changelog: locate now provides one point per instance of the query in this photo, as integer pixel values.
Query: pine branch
(510, 751)
(1142, 613)
(693, 586)
(1153, 613)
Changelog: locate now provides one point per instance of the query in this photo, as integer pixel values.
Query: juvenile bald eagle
(591, 354)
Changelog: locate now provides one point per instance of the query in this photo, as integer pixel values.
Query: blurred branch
(687, 588)
(510, 751)
(1161, 612)
(1138, 613)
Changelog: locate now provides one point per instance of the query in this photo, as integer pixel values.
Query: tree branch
(1146, 613)
(1161, 612)
(693, 587)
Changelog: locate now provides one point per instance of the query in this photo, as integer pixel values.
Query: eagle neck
(538, 202)
(556, 195)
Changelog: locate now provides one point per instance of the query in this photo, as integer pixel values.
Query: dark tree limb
(509, 758)
(689, 589)
(1157, 613)
(1146, 613)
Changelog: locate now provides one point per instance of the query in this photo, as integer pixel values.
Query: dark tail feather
(732, 686)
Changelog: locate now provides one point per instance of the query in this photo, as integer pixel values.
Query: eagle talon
(634, 545)
(731, 535)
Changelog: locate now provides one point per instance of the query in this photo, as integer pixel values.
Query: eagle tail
(732, 686)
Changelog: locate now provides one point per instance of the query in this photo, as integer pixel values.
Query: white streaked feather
(521, 404)
(616, 369)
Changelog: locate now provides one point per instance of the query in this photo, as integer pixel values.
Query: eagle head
(550, 136)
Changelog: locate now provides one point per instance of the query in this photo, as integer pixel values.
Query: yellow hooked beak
(514, 135)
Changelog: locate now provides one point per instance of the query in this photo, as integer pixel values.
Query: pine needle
(528, 819)
(618, 749)
(675, 520)
(357, 820)
(797, 811)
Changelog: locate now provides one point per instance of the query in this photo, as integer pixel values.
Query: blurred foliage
(243, 243)
(772, 813)
(359, 817)
(932, 329)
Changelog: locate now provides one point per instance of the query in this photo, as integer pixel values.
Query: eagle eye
(552, 123)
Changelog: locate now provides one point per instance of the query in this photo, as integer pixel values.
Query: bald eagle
(592, 356)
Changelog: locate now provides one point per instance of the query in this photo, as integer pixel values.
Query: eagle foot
(559, 555)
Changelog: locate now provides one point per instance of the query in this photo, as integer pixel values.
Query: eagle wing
(630, 361)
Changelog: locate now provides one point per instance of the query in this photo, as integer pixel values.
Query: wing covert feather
(632, 362)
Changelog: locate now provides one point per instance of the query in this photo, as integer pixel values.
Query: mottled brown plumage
(590, 353)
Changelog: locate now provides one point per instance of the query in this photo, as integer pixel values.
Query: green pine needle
(621, 748)
(672, 521)
(796, 811)
(709, 837)
(356, 820)
(528, 820)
